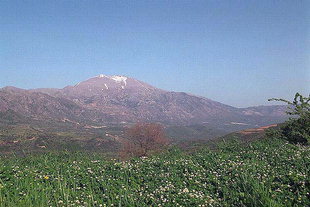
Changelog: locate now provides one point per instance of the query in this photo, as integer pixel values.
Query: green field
(264, 173)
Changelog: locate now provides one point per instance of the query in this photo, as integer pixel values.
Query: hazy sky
(237, 52)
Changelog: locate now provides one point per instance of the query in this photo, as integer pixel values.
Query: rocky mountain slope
(23, 104)
(116, 99)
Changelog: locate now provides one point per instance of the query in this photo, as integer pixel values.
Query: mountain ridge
(116, 99)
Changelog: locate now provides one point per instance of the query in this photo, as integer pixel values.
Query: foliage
(144, 138)
(267, 173)
(297, 129)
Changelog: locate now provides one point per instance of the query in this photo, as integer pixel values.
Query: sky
(236, 52)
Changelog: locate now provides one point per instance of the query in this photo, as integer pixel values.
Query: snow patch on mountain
(102, 76)
(120, 79)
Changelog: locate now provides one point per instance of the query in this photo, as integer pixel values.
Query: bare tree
(144, 138)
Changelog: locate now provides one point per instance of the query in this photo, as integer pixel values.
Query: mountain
(25, 104)
(119, 99)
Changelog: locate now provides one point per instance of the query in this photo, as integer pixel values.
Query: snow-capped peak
(119, 78)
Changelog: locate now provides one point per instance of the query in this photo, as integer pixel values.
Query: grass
(264, 173)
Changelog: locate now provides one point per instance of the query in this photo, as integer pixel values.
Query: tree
(297, 128)
(144, 138)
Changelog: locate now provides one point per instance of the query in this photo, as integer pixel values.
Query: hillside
(266, 173)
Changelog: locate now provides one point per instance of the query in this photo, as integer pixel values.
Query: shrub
(297, 128)
(144, 138)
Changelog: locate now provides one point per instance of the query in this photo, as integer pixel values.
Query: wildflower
(185, 190)
(46, 177)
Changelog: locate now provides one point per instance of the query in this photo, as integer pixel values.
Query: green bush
(297, 128)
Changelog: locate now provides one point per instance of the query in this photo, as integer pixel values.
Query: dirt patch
(257, 130)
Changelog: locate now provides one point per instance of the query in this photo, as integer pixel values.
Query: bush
(144, 138)
(297, 128)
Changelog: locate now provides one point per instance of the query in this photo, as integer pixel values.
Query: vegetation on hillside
(297, 128)
(269, 172)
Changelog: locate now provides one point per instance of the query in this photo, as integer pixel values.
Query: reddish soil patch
(257, 130)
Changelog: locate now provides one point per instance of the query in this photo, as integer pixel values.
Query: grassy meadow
(268, 172)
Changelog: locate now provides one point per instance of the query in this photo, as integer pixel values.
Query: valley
(95, 114)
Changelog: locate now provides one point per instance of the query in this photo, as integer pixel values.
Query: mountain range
(95, 115)
(119, 99)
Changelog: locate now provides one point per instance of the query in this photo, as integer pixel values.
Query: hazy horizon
(238, 54)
